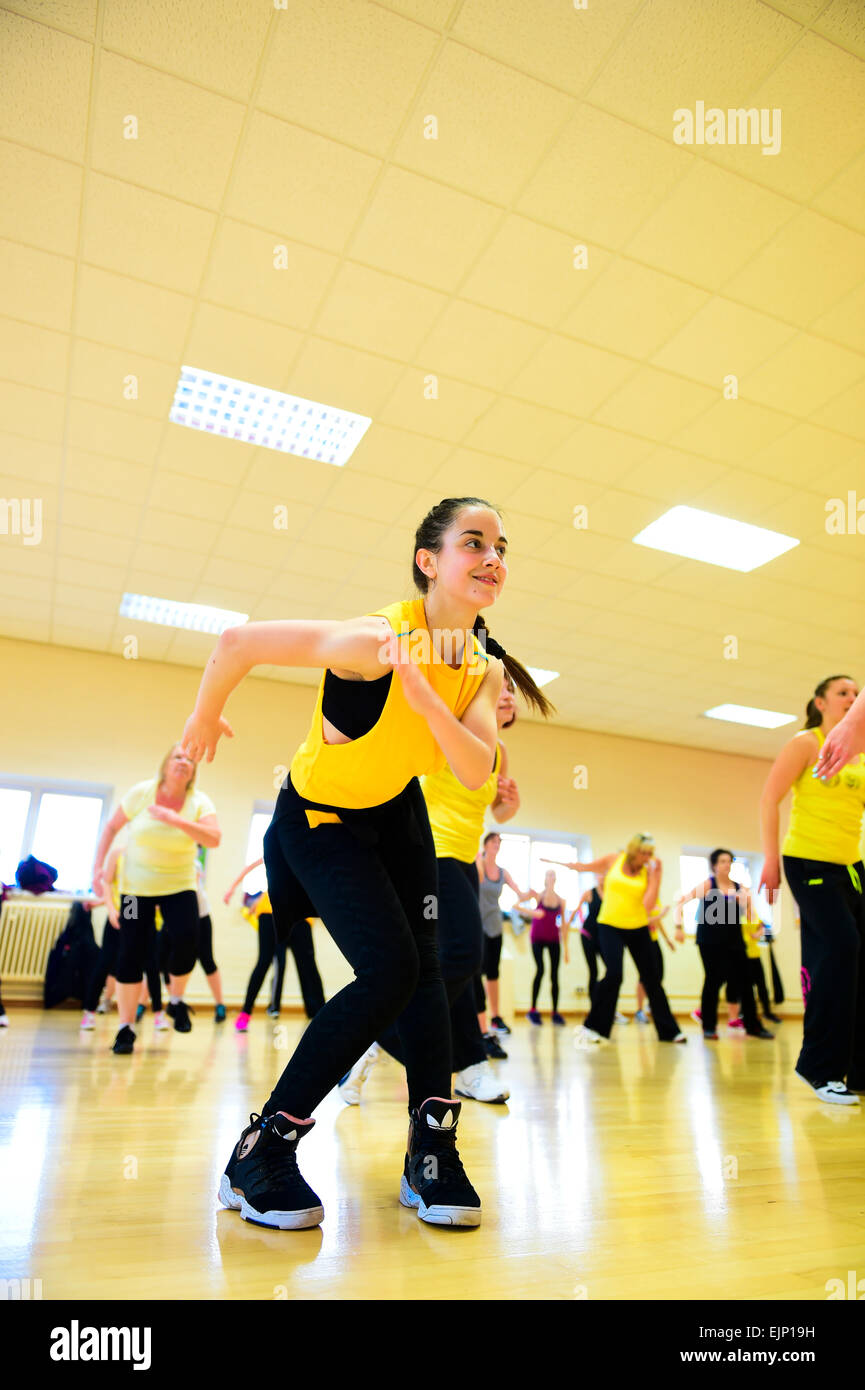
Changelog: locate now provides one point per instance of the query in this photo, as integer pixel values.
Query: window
(256, 882)
(57, 822)
(523, 855)
(694, 868)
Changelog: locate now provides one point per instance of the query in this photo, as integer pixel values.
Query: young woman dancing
(272, 952)
(167, 817)
(403, 690)
(549, 933)
(823, 867)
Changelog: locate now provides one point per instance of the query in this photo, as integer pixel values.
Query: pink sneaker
(242, 1023)
(697, 1015)
(737, 1024)
(88, 1021)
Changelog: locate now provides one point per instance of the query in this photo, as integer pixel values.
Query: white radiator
(29, 926)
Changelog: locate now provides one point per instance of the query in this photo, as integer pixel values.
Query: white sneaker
(622, 1018)
(104, 1006)
(160, 1022)
(352, 1083)
(588, 1038)
(835, 1092)
(88, 1021)
(479, 1082)
(680, 1037)
(4, 1021)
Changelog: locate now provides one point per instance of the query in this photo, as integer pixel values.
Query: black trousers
(659, 962)
(612, 942)
(372, 879)
(538, 948)
(301, 945)
(727, 962)
(138, 929)
(106, 964)
(460, 947)
(832, 910)
(591, 953)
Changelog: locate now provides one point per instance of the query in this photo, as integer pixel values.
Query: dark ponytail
(813, 717)
(429, 536)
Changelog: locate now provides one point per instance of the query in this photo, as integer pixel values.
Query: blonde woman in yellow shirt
(404, 690)
(823, 867)
(167, 816)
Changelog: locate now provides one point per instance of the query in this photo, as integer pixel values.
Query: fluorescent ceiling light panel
(271, 419)
(717, 540)
(197, 617)
(540, 676)
(744, 714)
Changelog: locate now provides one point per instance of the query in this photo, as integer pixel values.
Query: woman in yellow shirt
(404, 690)
(823, 867)
(167, 817)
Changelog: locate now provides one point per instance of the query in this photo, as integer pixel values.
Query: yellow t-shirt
(752, 943)
(456, 814)
(826, 820)
(160, 858)
(375, 768)
(622, 904)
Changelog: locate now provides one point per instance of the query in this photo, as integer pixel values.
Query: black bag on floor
(72, 959)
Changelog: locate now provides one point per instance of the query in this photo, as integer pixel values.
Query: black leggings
(372, 879)
(727, 961)
(612, 942)
(106, 964)
(270, 952)
(591, 953)
(490, 968)
(137, 929)
(460, 946)
(832, 910)
(538, 948)
(273, 952)
(205, 945)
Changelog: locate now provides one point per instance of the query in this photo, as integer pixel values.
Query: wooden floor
(642, 1171)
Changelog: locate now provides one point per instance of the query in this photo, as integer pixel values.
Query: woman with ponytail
(403, 690)
(823, 867)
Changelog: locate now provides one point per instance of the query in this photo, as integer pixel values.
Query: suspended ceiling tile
(247, 272)
(844, 198)
(632, 309)
(233, 583)
(131, 314)
(321, 201)
(201, 455)
(623, 514)
(344, 377)
(601, 177)
(777, 278)
(36, 287)
(117, 377)
(378, 312)
(144, 234)
(806, 453)
(531, 271)
(106, 476)
(569, 376)
(171, 569)
(654, 404)
(77, 566)
(804, 374)
(722, 338)
(372, 498)
(82, 599)
(675, 53)
(467, 473)
(845, 412)
(240, 346)
(112, 431)
(37, 415)
(166, 528)
(845, 321)
(13, 586)
(33, 459)
(743, 502)
(598, 454)
(216, 46)
(844, 23)
(431, 12)
(75, 16)
(86, 542)
(517, 430)
(730, 431)
(554, 497)
(162, 133)
(710, 225)
(449, 415)
(392, 453)
(34, 356)
(351, 534)
(259, 513)
(269, 552)
(556, 43)
(46, 87)
(672, 475)
(422, 230)
(478, 346)
(287, 477)
(489, 147)
(47, 204)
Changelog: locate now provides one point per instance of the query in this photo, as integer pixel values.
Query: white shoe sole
(831, 1098)
(439, 1215)
(278, 1220)
(498, 1099)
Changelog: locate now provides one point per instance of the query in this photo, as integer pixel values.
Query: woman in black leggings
(404, 689)
(272, 951)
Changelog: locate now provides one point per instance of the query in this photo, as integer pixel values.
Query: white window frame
(41, 786)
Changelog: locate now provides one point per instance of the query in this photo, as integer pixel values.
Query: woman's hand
(99, 882)
(164, 813)
(418, 692)
(200, 736)
(112, 916)
(507, 791)
(841, 746)
(228, 896)
(770, 878)
(679, 935)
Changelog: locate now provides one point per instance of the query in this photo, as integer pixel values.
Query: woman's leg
(555, 953)
(611, 944)
(640, 945)
(590, 951)
(266, 941)
(300, 944)
(205, 955)
(830, 909)
(758, 982)
(714, 966)
(180, 917)
(151, 968)
(739, 979)
(466, 1037)
(538, 953)
(492, 958)
(137, 917)
(103, 967)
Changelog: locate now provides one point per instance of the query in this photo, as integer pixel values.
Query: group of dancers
(376, 832)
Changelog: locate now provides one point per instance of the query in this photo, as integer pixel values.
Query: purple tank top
(544, 928)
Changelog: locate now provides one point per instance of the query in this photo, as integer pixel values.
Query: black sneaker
(833, 1092)
(262, 1181)
(775, 1018)
(180, 1013)
(125, 1040)
(219, 1013)
(498, 1025)
(434, 1180)
(493, 1047)
(761, 1033)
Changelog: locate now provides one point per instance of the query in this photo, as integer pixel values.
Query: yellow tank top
(378, 766)
(456, 814)
(622, 904)
(826, 820)
(752, 944)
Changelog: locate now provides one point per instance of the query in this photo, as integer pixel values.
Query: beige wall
(81, 715)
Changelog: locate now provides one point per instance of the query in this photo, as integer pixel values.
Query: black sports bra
(354, 707)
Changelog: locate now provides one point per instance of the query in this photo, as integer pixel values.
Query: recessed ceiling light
(717, 540)
(744, 714)
(234, 409)
(197, 617)
(540, 676)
